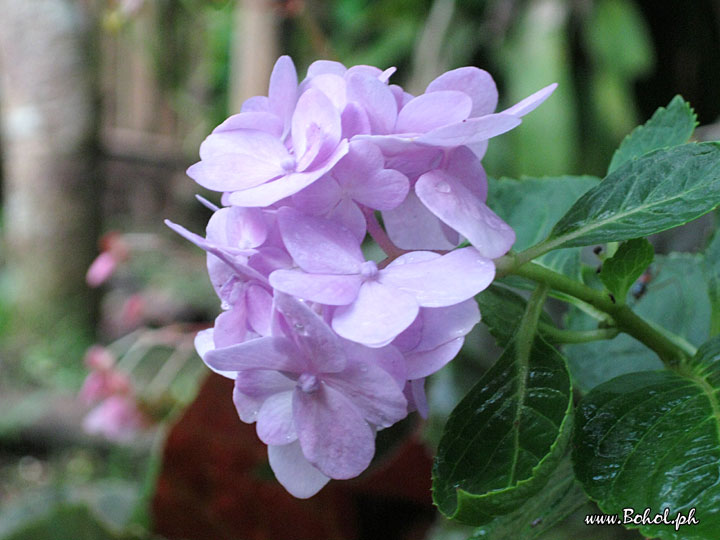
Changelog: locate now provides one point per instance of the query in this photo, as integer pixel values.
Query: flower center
(308, 383)
(368, 270)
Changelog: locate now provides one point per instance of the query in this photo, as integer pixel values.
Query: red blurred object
(216, 484)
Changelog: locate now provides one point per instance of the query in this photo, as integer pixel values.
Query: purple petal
(259, 309)
(333, 86)
(531, 102)
(433, 110)
(376, 98)
(417, 389)
(282, 93)
(442, 281)
(235, 227)
(316, 128)
(318, 245)
(371, 389)
(471, 131)
(412, 226)
(253, 387)
(320, 197)
(328, 289)
(320, 67)
(355, 120)
(205, 342)
(384, 190)
(273, 353)
(256, 104)
(262, 121)
(378, 315)
(313, 336)
(463, 164)
(447, 198)
(231, 327)
(349, 215)
(272, 192)
(423, 363)
(333, 434)
(275, 420)
(475, 82)
(441, 325)
(294, 471)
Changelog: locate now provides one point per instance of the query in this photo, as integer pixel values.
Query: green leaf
(652, 440)
(675, 298)
(711, 266)
(561, 496)
(671, 126)
(621, 270)
(532, 205)
(506, 436)
(502, 311)
(658, 191)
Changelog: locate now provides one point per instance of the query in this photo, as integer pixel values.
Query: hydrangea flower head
(327, 346)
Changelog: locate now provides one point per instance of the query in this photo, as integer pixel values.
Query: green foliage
(711, 266)
(675, 299)
(659, 430)
(656, 192)
(532, 205)
(671, 126)
(621, 270)
(502, 311)
(561, 496)
(523, 405)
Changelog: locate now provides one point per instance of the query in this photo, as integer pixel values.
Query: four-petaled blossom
(326, 345)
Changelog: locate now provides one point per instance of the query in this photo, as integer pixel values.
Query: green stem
(670, 348)
(576, 336)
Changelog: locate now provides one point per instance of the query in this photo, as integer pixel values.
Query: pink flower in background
(116, 418)
(327, 345)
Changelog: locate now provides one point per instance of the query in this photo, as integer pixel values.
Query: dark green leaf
(621, 270)
(502, 311)
(669, 126)
(540, 513)
(505, 438)
(658, 191)
(711, 266)
(675, 297)
(532, 205)
(652, 440)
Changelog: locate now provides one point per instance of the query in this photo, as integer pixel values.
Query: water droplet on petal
(224, 305)
(443, 187)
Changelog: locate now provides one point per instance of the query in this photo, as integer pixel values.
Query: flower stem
(670, 348)
(576, 336)
(380, 236)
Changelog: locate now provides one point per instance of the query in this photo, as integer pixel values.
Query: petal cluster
(326, 344)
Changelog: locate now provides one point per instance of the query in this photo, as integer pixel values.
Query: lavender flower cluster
(325, 346)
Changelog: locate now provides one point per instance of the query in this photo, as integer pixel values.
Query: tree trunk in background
(254, 51)
(48, 98)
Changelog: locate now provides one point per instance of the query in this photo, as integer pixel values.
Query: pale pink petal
(328, 289)
(294, 471)
(333, 434)
(440, 325)
(273, 353)
(333, 86)
(384, 190)
(235, 227)
(531, 102)
(231, 327)
(275, 420)
(442, 281)
(475, 82)
(256, 104)
(101, 269)
(318, 245)
(471, 131)
(320, 67)
(253, 387)
(452, 202)
(433, 110)
(349, 215)
(378, 315)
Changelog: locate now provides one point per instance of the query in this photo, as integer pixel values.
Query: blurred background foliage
(162, 73)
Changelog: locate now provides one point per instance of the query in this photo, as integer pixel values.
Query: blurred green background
(104, 104)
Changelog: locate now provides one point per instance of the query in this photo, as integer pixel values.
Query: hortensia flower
(326, 345)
